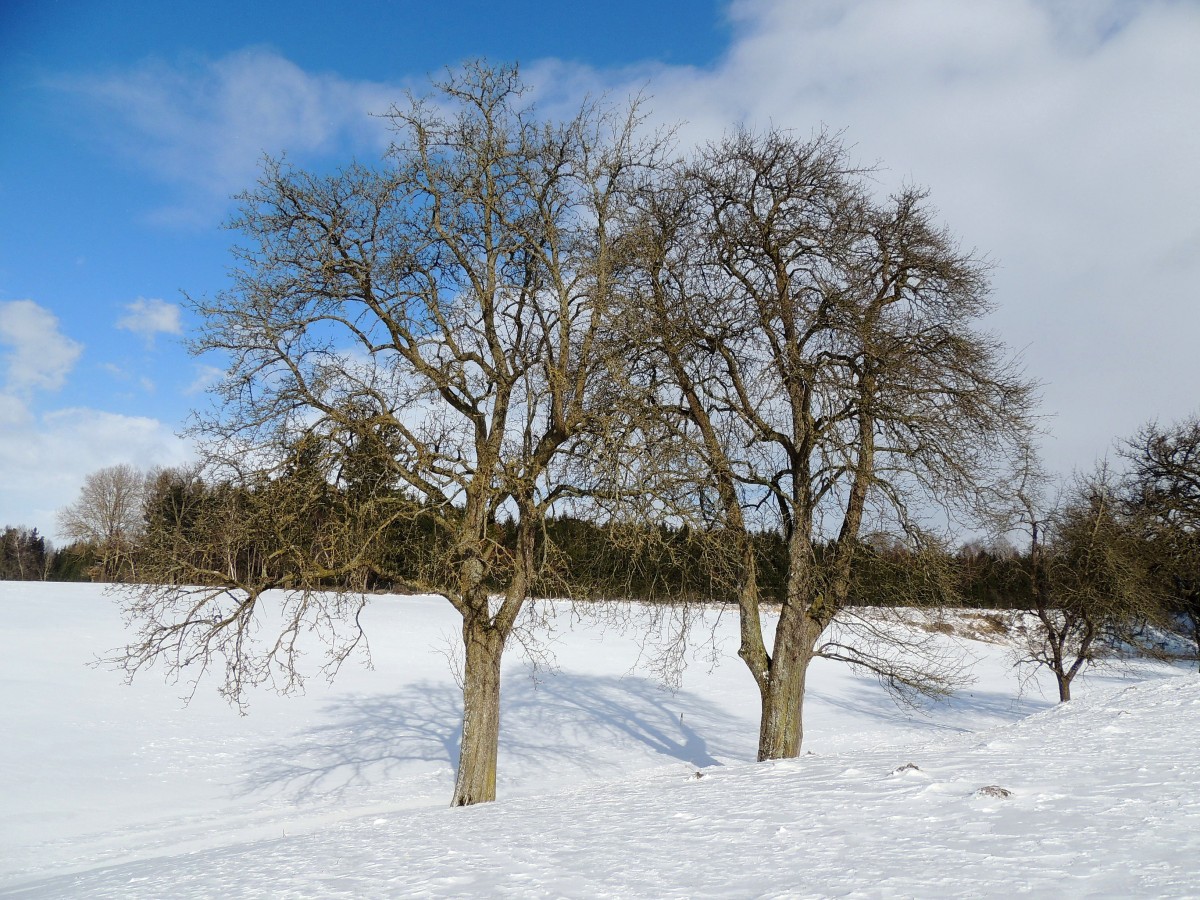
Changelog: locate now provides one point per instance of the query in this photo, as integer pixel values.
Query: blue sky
(1058, 136)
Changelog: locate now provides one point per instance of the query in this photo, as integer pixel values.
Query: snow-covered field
(610, 786)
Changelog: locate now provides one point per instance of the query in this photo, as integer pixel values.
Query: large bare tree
(820, 355)
(445, 315)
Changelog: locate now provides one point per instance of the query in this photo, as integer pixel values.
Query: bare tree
(1085, 577)
(1163, 495)
(447, 316)
(107, 515)
(818, 355)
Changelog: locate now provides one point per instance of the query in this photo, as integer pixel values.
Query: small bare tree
(1085, 577)
(817, 355)
(1162, 491)
(446, 316)
(108, 516)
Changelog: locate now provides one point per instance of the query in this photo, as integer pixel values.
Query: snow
(609, 784)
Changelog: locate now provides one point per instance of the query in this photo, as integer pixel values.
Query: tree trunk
(476, 779)
(781, 728)
(1064, 687)
(1195, 620)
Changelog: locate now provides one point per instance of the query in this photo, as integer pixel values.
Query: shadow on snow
(561, 722)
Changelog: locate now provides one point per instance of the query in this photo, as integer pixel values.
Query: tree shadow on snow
(962, 711)
(563, 712)
(583, 723)
(363, 741)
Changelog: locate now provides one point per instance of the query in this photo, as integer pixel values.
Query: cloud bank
(44, 457)
(1059, 137)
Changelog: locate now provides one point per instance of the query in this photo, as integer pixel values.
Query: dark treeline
(26, 555)
(241, 533)
(213, 531)
(1103, 559)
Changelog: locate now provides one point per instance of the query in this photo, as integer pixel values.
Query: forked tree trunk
(1066, 674)
(476, 779)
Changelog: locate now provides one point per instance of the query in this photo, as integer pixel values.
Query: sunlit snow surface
(121, 791)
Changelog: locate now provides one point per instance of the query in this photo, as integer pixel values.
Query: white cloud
(14, 413)
(1060, 137)
(1057, 136)
(151, 317)
(39, 356)
(205, 124)
(43, 459)
(206, 377)
(44, 456)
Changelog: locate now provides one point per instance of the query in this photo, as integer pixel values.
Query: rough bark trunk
(781, 728)
(476, 779)
(1065, 675)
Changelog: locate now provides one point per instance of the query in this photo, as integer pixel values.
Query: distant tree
(1163, 493)
(72, 562)
(108, 516)
(982, 577)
